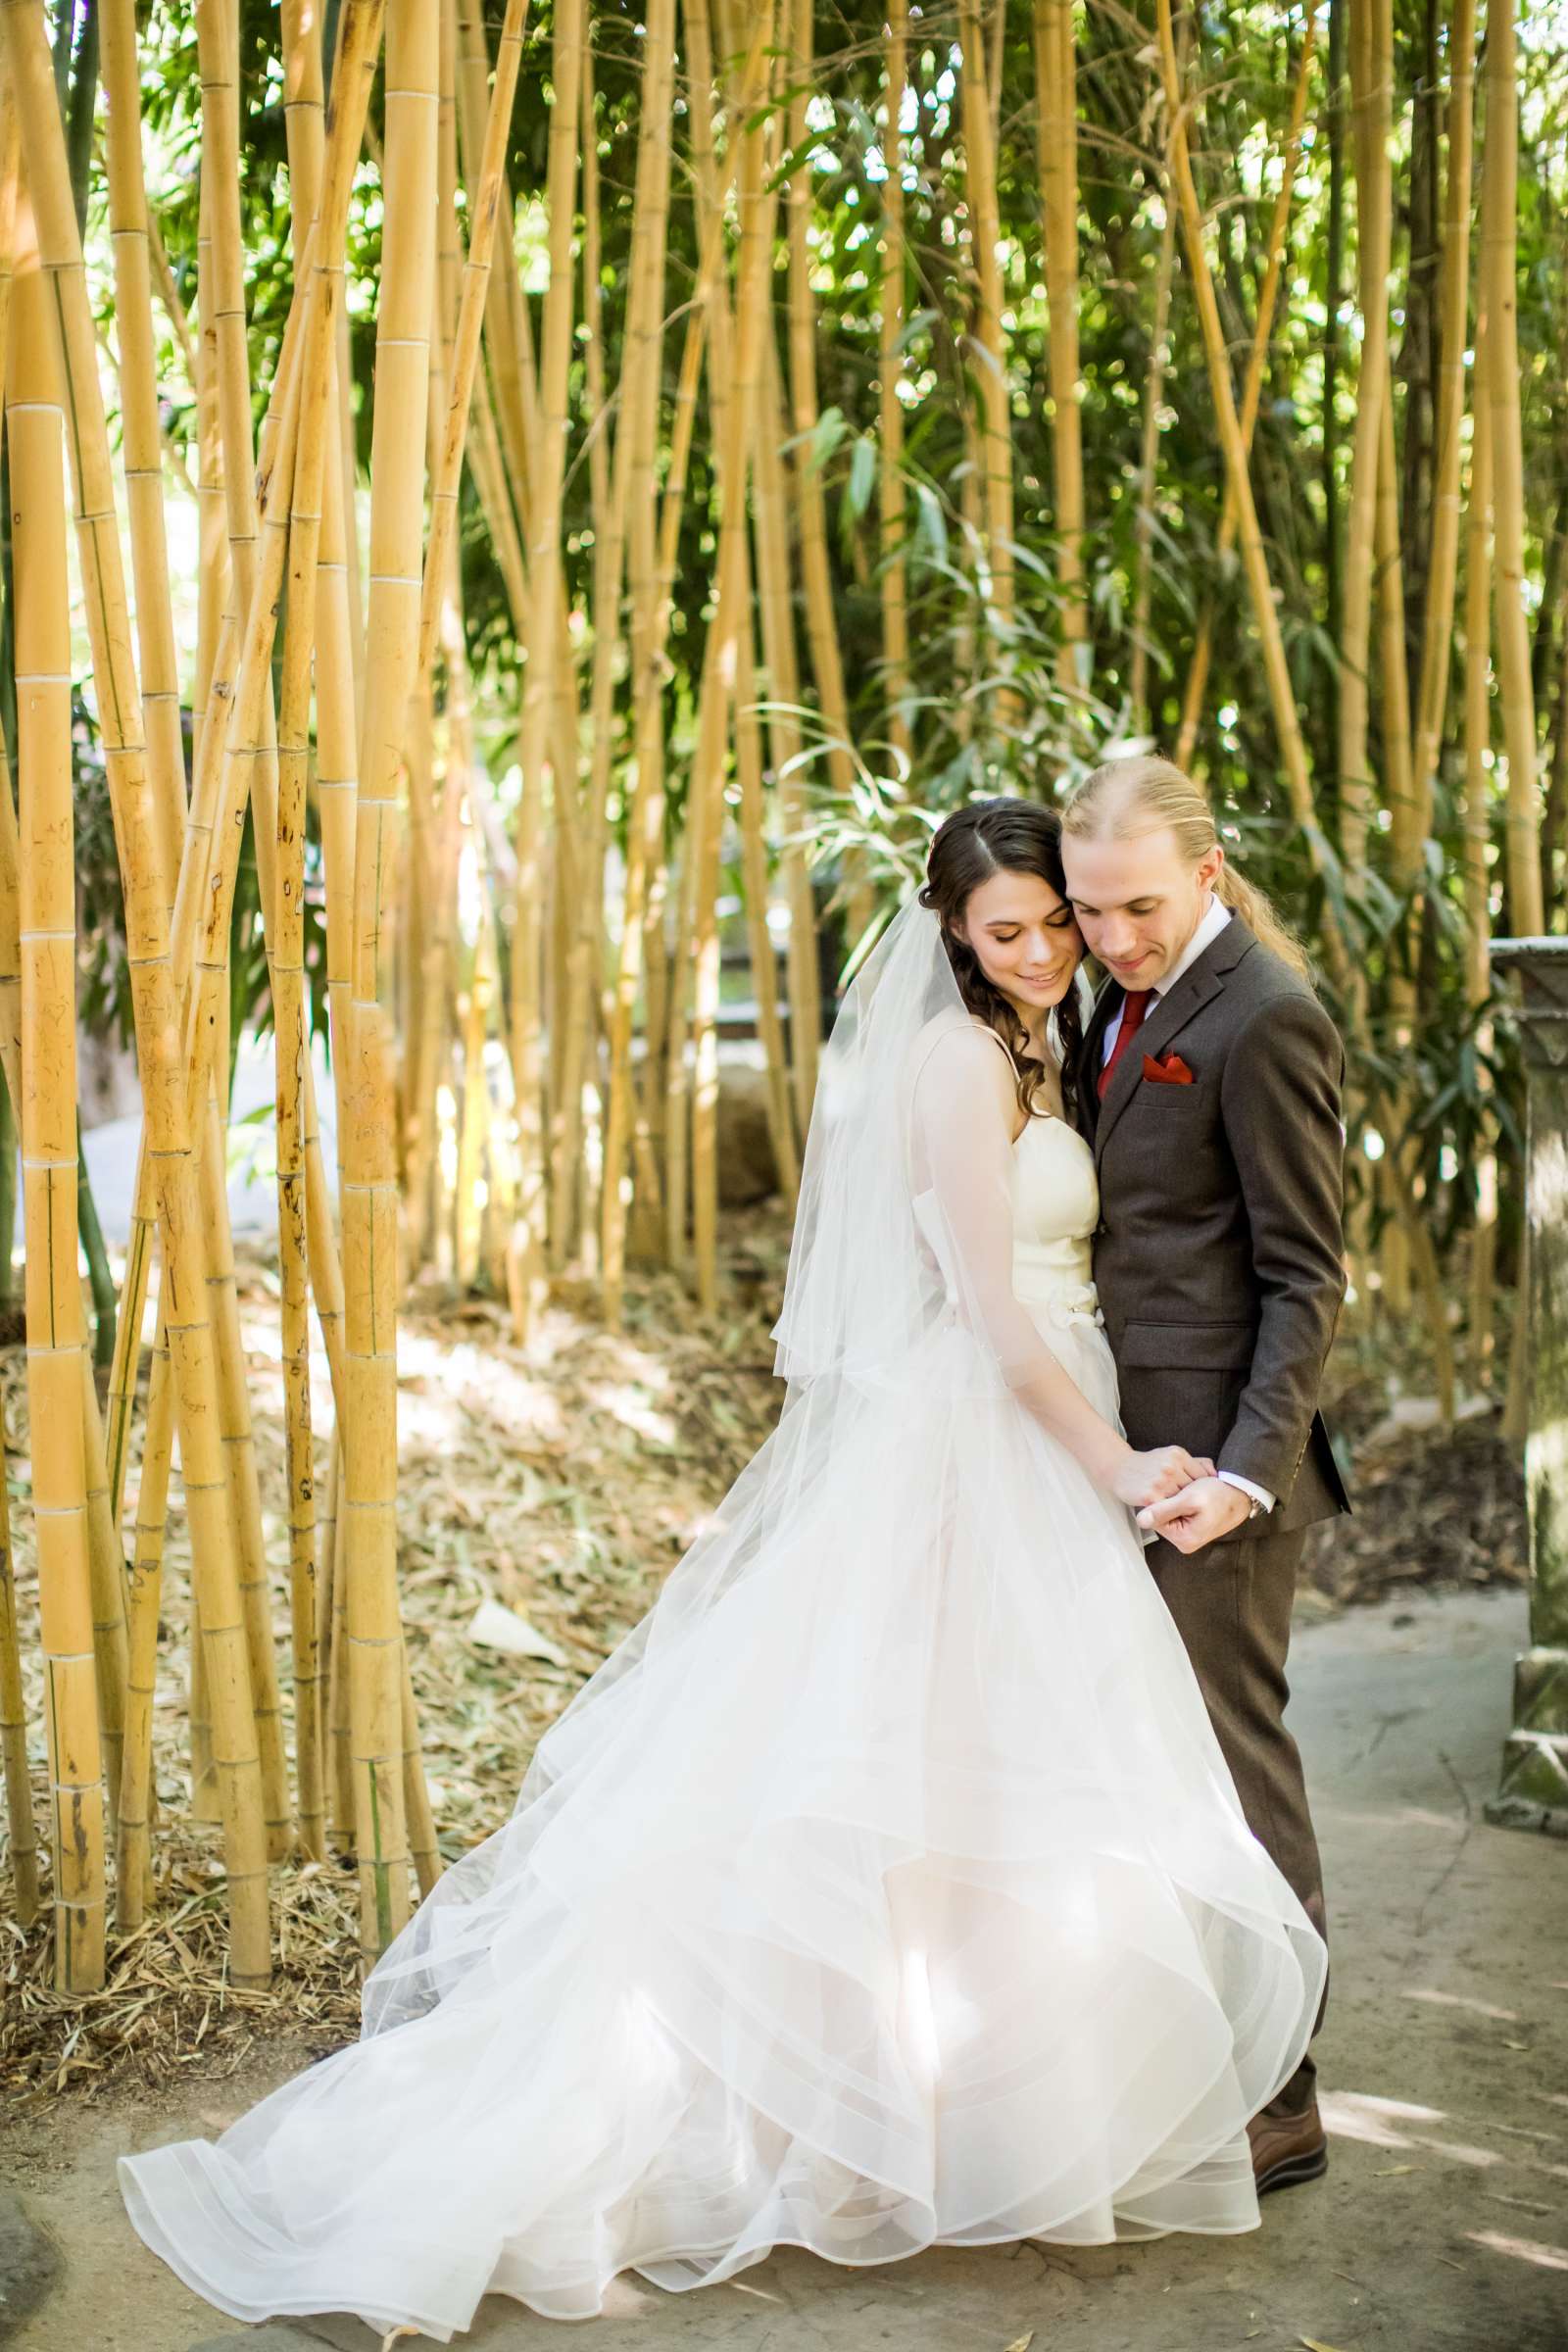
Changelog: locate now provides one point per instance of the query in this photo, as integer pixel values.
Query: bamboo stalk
(822, 638)
(476, 268)
(1252, 390)
(893, 568)
(676, 1001)
(366, 1093)
(144, 1596)
(207, 1113)
(1396, 711)
(755, 209)
(1500, 241)
(784, 730)
(146, 897)
(1371, 82)
(24, 1839)
(107, 1569)
(546, 644)
(996, 413)
(201, 822)
(47, 1118)
(303, 108)
(635, 441)
(642, 957)
(1476, 818)
(1282, 697)
(23, 1845)
(1057, 125)
(1437, 652)
(138, 406)
(1147, 477)
(169, 295)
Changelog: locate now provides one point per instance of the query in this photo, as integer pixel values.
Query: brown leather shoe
(1287, 2148)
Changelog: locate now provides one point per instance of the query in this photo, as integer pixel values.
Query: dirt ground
(1443, 2221)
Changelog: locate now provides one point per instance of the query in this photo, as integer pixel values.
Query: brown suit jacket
(1219, 1257)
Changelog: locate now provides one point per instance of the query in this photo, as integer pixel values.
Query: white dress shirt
(1211, 923)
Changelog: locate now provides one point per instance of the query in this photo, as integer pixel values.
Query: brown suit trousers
(1232, 1607)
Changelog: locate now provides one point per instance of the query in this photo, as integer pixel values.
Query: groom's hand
(1200, 1513)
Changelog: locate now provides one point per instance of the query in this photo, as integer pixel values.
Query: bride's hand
(1149, 1477)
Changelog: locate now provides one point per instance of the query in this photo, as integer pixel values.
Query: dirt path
(1443, 2219)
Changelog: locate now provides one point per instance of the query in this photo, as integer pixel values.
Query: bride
(886, 1886)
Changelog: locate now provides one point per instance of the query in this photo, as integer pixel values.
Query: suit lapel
(1164, 1022)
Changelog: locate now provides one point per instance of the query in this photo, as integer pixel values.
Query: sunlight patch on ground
(1522, 2249)
(631, 1407)
(1460, 2000)
(1361, 2115)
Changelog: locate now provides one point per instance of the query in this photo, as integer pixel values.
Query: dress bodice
(1055, 1209)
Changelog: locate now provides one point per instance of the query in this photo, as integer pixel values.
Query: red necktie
(1134, 1005)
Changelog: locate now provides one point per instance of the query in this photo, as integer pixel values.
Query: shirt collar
(1209, 927)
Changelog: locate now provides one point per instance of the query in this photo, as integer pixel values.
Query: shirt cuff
(1262, 1494)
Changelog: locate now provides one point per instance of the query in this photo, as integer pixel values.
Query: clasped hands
(1178, 1496)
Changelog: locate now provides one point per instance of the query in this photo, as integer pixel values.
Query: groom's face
(1137, 901)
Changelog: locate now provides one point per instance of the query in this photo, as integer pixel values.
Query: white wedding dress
(886, 1888)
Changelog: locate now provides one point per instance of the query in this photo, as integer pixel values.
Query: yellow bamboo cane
(1251, 395)
(366, 1096)
(996, 403)
(626, 1124)
(145, 1592)
(1371, 79)
(1057, 131)
(894, 570)
(1499, 242)
(777, 597)
(303, 113)
(1437, 649)
(720, 681)
(14, 1723)
(146, 897)
(539, 745)
(1476, 814)
(47, 1119)
(828, 665)
(138, 407)
(12, 1712)
(1282, 697)
(635, 432)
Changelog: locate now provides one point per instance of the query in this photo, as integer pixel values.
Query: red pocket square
(1172, 1071)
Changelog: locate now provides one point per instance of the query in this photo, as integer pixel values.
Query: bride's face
(1025, 938)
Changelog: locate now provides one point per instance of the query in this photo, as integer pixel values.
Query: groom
(1210, 1086)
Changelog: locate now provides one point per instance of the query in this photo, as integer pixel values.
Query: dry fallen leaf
(493, 1626)
(1385, 2171)
(1020, 2343)
(1312, 2344)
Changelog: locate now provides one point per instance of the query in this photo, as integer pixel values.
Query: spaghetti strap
(996, 1038)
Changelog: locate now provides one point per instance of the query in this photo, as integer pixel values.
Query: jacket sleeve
(1280, 1104)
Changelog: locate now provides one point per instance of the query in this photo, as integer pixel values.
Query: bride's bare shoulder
(951, 1041)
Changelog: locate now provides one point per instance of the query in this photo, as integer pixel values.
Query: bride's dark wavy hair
(994, 837)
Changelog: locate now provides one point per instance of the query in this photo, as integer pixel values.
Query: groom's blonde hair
(1144, 794)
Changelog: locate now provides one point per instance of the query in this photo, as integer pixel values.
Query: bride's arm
(962, 1109)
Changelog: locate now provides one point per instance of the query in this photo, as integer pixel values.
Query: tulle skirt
(885, 1887)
